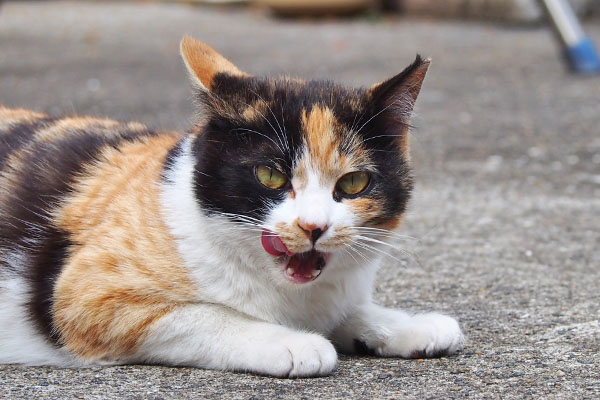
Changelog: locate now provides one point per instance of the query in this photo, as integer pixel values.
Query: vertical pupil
(352, 176)
(271, 174)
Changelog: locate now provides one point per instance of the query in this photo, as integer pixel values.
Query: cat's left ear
(204, 63)
(394, 99)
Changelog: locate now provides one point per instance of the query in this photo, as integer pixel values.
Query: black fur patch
(48, 260)
(362, 349)
(423, 354)
(171, 157)
(18, 136)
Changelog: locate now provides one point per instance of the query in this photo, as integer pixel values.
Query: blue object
(584, 57)
(579, 48)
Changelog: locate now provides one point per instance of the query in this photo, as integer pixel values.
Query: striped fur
(120, 244)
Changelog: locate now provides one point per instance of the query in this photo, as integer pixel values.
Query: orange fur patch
(319, 127)
(293, 237)
(203, 62)
(323, 135)
(405, 144)
(124, 271)
(65, 126)
(365, 207)
(390, 224)
(322, 141)
(255, 111)
(10, 116)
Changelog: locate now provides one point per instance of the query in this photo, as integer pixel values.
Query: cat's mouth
(298, 267)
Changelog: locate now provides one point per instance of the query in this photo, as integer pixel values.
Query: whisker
(351, 247)
(380, 136)
(375, 250)
(259, 113)
(283, 123)
(373, 240)
(266, 119)
(261, 134)
(350, 254)
(381, 232)
(370, 119)
(276, 120)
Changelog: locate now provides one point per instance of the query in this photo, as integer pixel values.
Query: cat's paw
(425, 336)
(297, 355)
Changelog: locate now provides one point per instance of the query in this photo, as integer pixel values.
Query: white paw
(425, 335)
(297, 355)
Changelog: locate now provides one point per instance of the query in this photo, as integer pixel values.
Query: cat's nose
(312, 231)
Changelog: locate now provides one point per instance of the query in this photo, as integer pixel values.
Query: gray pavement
(507, 205)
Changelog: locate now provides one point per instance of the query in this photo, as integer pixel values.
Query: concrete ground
(506, 213)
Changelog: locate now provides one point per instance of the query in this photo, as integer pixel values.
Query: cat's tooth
(316, 272)
(290, 271)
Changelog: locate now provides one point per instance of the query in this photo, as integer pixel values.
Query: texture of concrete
(506, 213)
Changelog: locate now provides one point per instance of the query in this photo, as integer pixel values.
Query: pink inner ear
(273, 245)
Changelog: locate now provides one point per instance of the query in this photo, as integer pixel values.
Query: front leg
(216, 337)
(385, 332)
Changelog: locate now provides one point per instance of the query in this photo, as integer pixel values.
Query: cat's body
(239, 246)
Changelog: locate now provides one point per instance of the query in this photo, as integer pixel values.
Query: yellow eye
(270, 177)
(354, 182)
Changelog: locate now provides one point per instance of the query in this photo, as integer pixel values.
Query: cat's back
(17, 129)
(43, 158)
(44, 162)
(26, 135)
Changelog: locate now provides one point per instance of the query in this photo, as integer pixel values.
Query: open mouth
(298, 267)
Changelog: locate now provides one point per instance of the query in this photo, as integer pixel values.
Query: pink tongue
(273, 245)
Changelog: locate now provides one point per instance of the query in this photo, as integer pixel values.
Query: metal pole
(579, 48)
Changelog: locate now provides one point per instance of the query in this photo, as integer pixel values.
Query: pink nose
(312, 231)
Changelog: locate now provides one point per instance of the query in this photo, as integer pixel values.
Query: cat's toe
(312, 355)
(426, 336)
(449, 338)
(445, 336)
(296, 355)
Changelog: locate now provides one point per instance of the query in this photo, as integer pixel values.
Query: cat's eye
(270, 177)
(353, 182)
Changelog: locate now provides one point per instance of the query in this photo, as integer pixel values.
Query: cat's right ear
(204, 63)
(399, 93)
(395, 99)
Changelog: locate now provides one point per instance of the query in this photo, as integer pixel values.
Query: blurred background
(506, 148)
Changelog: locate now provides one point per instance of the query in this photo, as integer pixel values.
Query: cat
(250, 243)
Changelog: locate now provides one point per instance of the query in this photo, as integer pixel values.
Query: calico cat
(249, 244)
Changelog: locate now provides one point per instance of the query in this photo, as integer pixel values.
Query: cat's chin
(304, 267)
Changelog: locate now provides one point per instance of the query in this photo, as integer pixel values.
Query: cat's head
(317, 173)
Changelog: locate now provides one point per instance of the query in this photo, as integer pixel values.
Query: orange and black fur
(220, 248)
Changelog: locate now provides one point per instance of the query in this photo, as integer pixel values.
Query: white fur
(395, 333)
(251, 318)
(21, 341)
(211, 336)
